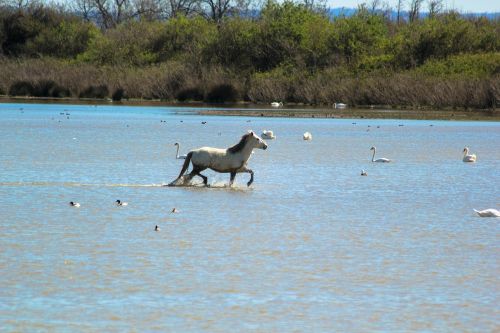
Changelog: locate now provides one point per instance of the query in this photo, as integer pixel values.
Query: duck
(468, 157)
(121, 203)
(74, 204)
(266, 134)
(378, 160)
(157, 228)
(175, 210)
(364, 173)
(276, 104)
(307, 136)
(339, 105)
(488, 212)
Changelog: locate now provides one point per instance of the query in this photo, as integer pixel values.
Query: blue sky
(476, 6)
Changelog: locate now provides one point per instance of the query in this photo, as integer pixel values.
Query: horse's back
(215, 158)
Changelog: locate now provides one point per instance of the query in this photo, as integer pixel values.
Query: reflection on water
(311, 246)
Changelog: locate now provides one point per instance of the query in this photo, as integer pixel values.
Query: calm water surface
(311, 247)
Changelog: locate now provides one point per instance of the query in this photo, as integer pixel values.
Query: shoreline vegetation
(442, 63)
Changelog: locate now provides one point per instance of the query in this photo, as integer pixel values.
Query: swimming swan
(379, 160)
(467, 157)
(268, 135)
(121, 203)
(181, 157)
(276, 104)
(488, 213)
(307, 136)
(74, 204)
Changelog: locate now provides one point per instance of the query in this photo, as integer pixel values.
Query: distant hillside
(344, 11)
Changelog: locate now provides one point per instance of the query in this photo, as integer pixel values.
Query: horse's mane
(240, 145)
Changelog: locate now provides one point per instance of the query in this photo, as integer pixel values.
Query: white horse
(232, 160)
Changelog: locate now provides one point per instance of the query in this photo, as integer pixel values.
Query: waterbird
(339, 105)
(364, 173)
(177, 156)
(378, 160)
(74, 204)
(203, 122)
(468, 157)
(488, 213)
(157, 228)
(121, 203)
(307, 136)
(266, 134)
(276, 104)
(175, 210)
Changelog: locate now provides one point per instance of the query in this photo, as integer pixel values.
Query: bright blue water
(311, 247)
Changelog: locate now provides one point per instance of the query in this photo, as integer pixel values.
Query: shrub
(95, 92)
(220, 93)
(21, 88)
(118, 94)
(190, 94)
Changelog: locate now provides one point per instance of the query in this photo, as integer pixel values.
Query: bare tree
(374, 5)
(217, 9)
(435, 7)
(315, 5)
(414, 11)
(85, 8)
(181, 7)
(400, 6)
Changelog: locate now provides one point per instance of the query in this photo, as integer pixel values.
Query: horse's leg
(251, 175)
(196, 172)
(231, 178)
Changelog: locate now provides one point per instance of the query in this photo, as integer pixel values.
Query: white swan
(74, 204)
(121, 203)
(379, 160)
(468, 157)
(181, 157)
(276, 104)
(488, 213)
(268, 135)
(307, 136)
(339, 105)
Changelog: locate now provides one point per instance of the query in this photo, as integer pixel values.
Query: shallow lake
(311, 246)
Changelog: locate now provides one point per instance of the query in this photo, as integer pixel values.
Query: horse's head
(256, 140)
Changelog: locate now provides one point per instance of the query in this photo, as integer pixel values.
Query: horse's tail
(186, 164)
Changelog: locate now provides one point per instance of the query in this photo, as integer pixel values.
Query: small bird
(488, 213)
(121, 203)
(74, 204)
(364, 173)
(157, 228)
(175, 210)
(307, 136)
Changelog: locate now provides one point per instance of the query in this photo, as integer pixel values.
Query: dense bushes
(288, 53)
